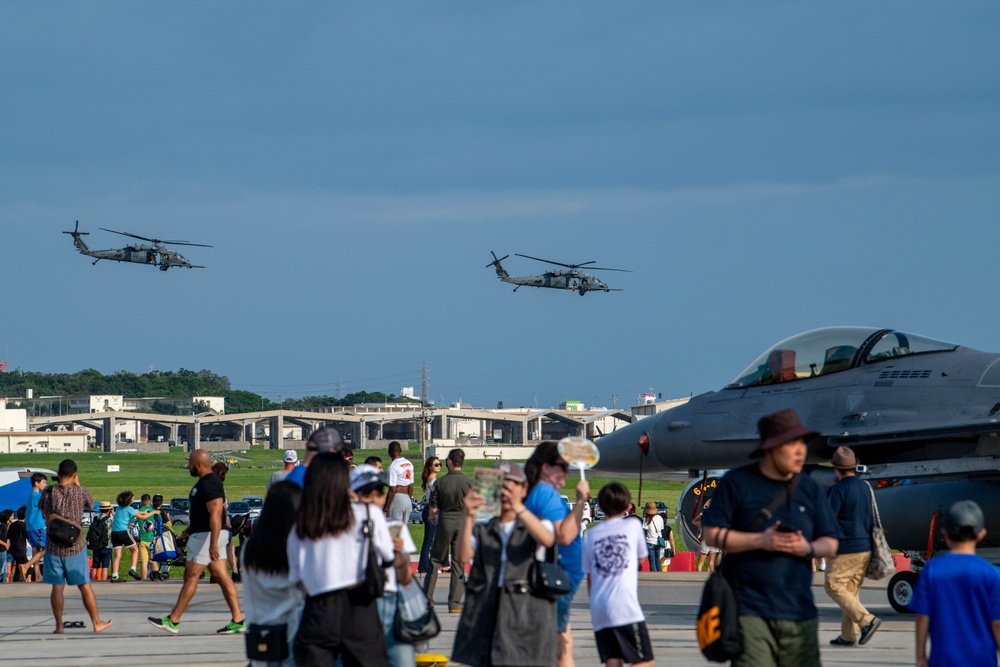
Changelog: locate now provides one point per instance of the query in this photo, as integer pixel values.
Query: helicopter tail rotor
(501, 272)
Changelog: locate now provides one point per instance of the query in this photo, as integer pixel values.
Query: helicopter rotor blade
(549, 261)
(135, 236)
(603, 268)
(200, 245)
(495, 260)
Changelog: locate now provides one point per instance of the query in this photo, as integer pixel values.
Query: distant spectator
(501, 624)
(17, 535)
(121, 538)
(399, 501)
(652, 524)
(205, 545)
(35, 522)
(368, 484)
(146, 517)
(327, 554)
(6, 517)
(611, 548)
(101, 557)
(447, 502)
(221, 470)
(68, 564)
(268, 597)
(161, 519)
(428, 477)
(290, 459)
(957, 598)
(546, 471)
(375, 462)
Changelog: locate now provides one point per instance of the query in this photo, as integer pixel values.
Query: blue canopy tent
(15, 494)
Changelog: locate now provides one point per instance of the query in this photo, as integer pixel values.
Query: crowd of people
(327, 565)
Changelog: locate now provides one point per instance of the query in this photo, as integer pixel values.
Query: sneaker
(840, 641)
(115, 579)
(164, 623)
(232, 628)
(869, 630)
(134, 575)
(454, 609)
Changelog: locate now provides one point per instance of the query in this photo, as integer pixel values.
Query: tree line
(183, 383)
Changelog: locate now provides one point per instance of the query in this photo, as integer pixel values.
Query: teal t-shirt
(146, 526)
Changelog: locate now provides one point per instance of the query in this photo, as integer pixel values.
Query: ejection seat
(781, 363)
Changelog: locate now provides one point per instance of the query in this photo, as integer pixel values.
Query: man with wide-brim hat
(851, 501)
(771, 521)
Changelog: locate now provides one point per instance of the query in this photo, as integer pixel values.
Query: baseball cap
(366, 477)
(291, 456)
(325, 439)
(512, 470)
(964, 520)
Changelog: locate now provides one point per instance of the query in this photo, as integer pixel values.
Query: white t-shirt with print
(611, 550)
(391, 585)
(400, 473)
(506, 530)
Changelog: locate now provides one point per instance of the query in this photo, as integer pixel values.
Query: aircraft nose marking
(674, 426)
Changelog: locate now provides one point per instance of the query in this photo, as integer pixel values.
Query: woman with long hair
(652, 524)
(432, 466)
(268, 598)
(328, 555)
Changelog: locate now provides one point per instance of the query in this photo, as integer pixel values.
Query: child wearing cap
(611, 550)
(102, 552)
(502, 622)
(957, 598)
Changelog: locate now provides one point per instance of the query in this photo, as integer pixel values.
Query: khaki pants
(774, 643)
(844, 574)
(144, 558)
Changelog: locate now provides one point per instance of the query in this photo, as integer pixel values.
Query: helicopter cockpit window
(806, 355)
(896, 344)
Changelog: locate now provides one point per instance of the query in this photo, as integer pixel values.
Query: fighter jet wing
(884, 436)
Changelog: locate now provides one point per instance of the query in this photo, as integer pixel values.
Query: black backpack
(97, 535)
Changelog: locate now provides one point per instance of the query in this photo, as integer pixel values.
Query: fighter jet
(920, 414)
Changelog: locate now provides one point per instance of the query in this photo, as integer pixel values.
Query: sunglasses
(435, 465)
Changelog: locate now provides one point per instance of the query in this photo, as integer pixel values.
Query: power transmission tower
(424, 421)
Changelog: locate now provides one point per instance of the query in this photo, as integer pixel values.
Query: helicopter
(574, 279)
(154, 255)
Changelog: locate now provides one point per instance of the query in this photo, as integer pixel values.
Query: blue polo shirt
(546, 503)
(851, 502)
(297, 475)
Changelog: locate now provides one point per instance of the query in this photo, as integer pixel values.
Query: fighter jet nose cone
(622, 450)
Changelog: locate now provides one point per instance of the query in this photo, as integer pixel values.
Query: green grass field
(167, 474)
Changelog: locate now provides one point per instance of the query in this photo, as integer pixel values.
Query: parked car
(587, 516)
(416, 513)
(181, 503)
(237, 507)
(256, 504)
(178, 517)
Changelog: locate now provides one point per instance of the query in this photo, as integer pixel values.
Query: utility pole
(424, 394)
(614, 401)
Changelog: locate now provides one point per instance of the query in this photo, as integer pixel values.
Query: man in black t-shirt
(206, 544)
(769, 557)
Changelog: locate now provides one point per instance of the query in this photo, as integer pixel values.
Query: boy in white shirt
(611, 549)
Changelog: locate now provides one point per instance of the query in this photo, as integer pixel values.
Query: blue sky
(764, 169)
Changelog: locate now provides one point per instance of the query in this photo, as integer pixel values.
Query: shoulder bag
(718, 624)
(61, 531)
(268, 643)
(881, 564)
(415, 620)
(374, 583)
(164, 547)
(547, 578)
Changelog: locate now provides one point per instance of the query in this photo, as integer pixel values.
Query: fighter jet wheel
(901, 590)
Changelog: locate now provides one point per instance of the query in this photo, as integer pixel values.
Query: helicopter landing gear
(582, 290)
(900, 590)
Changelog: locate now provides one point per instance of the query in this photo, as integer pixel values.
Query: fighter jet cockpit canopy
(825, 351)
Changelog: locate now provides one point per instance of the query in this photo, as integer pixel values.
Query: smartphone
(783, 528)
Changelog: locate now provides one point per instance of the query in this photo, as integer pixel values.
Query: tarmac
(670, 602)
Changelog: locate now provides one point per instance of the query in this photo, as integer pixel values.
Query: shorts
(121, 538)
(705, 549)
(400, 508)
(102, 558)
(629, 643)
(143, 553)
(37, 538)
(18, 558)
(563, 605)
(198, 546)
(73, 570)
